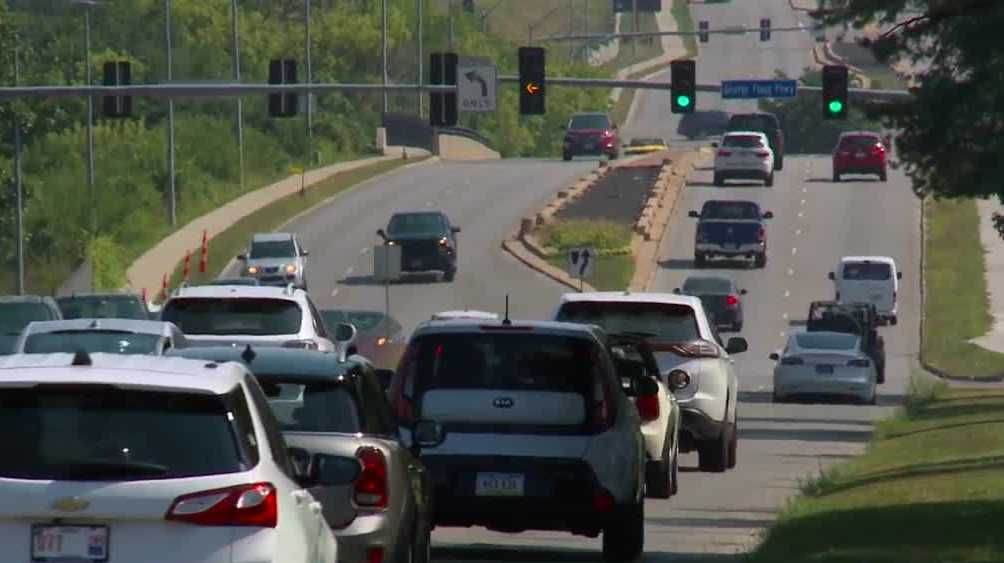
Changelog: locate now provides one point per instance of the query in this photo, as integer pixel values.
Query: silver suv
(526, 426)
(276, 259)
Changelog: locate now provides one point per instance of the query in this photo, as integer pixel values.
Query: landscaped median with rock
(621, 210)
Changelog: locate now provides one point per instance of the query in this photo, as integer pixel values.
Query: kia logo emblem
(502, 403)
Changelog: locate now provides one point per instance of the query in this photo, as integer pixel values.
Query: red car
(591, 134)
(859, 152)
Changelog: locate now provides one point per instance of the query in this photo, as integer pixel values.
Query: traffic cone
(187, 267)
(143, 295)
(203, 259)
(163, 289)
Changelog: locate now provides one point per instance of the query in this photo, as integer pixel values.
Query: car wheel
(674, 473)
(624, 537)
(658, 482)
(836, 176)
(700, 260)
(769, 180)
(760, 261)
(566, 156)
(874, 399)
(421, 547)
(779, 163)
(713, 455)
(734, 447)
(880, 378)
(883, 176)
(448, 275)
(718, 180)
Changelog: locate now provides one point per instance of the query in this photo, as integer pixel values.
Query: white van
(868, 279)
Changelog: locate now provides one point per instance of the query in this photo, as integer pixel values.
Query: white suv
(526, 426)
(139, 458)
(744, 155)
(691, 357)
(211, 315)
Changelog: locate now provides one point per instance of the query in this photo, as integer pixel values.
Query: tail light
(253, 505)
(648, 407)
(382, 341)
(762, 154)
(608, 134)
(371, 484)
(696, 349)
(731, 300)
(724, 153)
(374, 555)
(403, 407)
(444, 242)
(301, 344)
(859, 363)
(603, 501)
(792, 361)
(878, 148)
(602, 414)
(761, 234)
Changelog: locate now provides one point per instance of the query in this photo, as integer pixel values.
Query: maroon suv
(592, 134)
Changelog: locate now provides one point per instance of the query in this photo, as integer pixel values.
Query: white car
(830, 364)
(691, 357)
(868, 279)
(525, 426)
(110, 335)
(744, 155)
(140, 458)
(214, 315)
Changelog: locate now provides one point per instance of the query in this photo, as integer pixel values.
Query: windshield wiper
(112, 469)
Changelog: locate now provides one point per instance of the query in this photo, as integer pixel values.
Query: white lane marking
(794, 251)
(802, 202)
(787, 293)
(800, 214)
(805, 190)
(791, 272)
(784, 316)
(798, 231)
(365, 250)
(349, 270)
(428, 204)
(783, 334)
(334, 292)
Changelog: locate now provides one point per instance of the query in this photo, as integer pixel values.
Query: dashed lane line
(334, 292)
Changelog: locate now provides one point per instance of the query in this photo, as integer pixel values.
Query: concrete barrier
(454, 147)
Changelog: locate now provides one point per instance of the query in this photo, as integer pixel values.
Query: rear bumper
(859, 168)
(426, 260)
(371, 531)
(740, 250)
(758, 173)
(589, 147)
(696, 426)
(558, 494)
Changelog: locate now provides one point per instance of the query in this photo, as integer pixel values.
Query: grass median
(956, 305)
(928, 490)
(226, 245)
(615, 263)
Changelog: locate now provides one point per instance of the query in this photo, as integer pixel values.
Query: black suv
(765, 123)
(428, 241)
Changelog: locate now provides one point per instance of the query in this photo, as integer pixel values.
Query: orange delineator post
(188, 258)
(163, 289)
(205, 252)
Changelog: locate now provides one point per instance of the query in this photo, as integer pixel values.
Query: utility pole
(421, 57)
(306, 48)
(172, 195)
(19, 189)
(383, 54)
(571, 29)
(90, 120)
(236, 62)
(585, 48)
(450, 18)
(634, 40)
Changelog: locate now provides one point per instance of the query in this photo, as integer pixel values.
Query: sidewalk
(147, 271)
(993, 247)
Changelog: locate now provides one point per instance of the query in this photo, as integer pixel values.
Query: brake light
(608, 134)
(696, 349)
(724, 153)
(301, 344)
(444, 242)
(381, 341)
(762, 154)
(761, 234)
(253, 505)
(731, 300)
(603, 501)
(403, 407)
(648, 407)
(371, 484)
(859, 363)
(792, 361)
(374, 555)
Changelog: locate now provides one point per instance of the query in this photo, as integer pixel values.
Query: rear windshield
(866, 271)
(707, 285)
(505, 361)
(672, 323)
(91, 342)
(15, 316)
(415, 224)
(221, 316)
(104, 307)
(313, 407)
(730, 210)
(589, 122)
(743, 141)
(817, 341)
(859, 141)
(100, 433)
(272, 249)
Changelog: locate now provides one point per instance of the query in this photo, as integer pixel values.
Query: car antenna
(248, 354)
(506, 320)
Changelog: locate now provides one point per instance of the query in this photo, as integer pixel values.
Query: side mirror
(768, 215)
(304, 253)
(736, 345)
(345, 335)
(832, 276)
(301, 465)
(381, 234)
(352, 350)
(384, 376)
(645, 387)
(899, 275)
(454, 230)
(694, 214)
(774, 356)
(428, 434)
(743, 292)
(242, 257)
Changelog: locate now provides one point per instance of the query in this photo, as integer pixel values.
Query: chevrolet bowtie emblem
(70, 504)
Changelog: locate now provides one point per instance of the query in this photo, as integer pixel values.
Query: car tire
(779, 163)
(880, 377)
(874, 400)
(421, 547)
(658, 478)
(760, 261)
(566, 156)
(776, 398)
(734, 446)
(836, 176)
(713, 455)
(700, 260)
(624, 536)
(769, 180)
(449, 275)
(717, 180)
(675, 471)
(883, 176)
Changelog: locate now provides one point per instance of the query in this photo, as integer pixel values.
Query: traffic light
(702, 28)
(834, 92)
(282, 71)
(683, 85)
(764, 29)
(443, 105)
(532, 82)
(117, 73)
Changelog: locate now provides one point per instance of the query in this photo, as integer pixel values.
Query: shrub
(601, 235)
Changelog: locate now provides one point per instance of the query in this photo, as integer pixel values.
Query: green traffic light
(683, 101)
(835, 106)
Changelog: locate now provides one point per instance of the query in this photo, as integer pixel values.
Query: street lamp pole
(236, 62)
(634, 40)
(450, 18)
(421, 56)
(306, 48)
(383, 53)
(19, 225)
(172, 195)
(90, 119)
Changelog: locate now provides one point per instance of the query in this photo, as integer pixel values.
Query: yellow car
(645, 146)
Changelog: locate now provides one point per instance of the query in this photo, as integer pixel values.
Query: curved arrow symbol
(584, 263)
(532, 88)
(473, 76)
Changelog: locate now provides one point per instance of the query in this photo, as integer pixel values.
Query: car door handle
(315, 507)
(299, 496)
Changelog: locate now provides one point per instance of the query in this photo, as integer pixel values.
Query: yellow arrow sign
(532, 88)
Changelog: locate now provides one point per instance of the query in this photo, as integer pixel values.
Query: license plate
(69, 543)
(589, 146)
(732, 246)
(499, 485)
(824, 368)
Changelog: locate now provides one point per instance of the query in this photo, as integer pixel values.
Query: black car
(721, 298)
(428, 242)
(703, 123)
(103, 306)
(861, 319)
(766, 123)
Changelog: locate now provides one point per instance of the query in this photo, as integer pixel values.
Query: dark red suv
(591, 133)
(859, 152)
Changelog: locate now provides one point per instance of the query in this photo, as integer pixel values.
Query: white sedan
(744, 155)
(830, 364)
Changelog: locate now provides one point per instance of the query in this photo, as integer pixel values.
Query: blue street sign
(752, 89)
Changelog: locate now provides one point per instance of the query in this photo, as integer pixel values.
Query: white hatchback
(744, 155)
(123, 459)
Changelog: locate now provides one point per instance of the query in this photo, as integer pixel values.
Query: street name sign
(753, 89)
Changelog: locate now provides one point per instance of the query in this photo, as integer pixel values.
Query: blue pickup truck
(731, 229)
